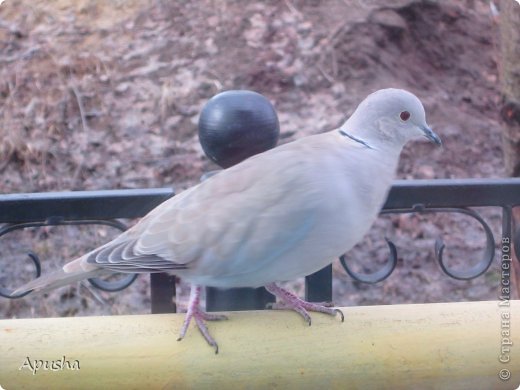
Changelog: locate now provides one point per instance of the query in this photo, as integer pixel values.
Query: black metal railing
(19, 211)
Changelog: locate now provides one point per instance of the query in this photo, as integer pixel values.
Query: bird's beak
(428, 133)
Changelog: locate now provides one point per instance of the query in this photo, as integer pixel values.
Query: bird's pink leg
(195, 312)
(292, 302)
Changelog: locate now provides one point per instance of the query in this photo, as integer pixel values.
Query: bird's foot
(195, 312)
(289, 301)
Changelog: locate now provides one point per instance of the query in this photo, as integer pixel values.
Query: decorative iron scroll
(101, 284)
(471, 273)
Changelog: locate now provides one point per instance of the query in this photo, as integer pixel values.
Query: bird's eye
(405, 115)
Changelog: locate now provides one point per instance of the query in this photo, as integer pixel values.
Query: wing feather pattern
(216, 225)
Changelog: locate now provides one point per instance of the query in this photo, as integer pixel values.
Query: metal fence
(19, 211)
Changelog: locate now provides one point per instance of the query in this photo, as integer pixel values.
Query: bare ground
(103, 95)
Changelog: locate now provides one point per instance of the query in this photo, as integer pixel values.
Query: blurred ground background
(106, 95)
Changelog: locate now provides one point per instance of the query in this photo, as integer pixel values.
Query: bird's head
(390, 117)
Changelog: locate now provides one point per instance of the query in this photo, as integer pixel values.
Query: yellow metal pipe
(427, 346)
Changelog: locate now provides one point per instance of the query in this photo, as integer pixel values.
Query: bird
(276, 216)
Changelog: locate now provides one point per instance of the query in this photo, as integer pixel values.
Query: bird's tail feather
(72, 272)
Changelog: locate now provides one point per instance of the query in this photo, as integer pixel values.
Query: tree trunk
(510, 111)
(510, 83)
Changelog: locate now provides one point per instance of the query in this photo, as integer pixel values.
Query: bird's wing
(260, 207)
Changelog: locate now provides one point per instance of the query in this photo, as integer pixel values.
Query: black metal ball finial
(235, 125)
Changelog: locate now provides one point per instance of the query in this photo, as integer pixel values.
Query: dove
(277, 216)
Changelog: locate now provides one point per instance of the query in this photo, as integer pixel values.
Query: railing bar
(109, 204)
(318, 286)
(163, 293)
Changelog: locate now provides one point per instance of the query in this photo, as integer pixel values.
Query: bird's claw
(195, 312)
(290, 301)
(211, 342)
(199, 317)
(338, 311)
